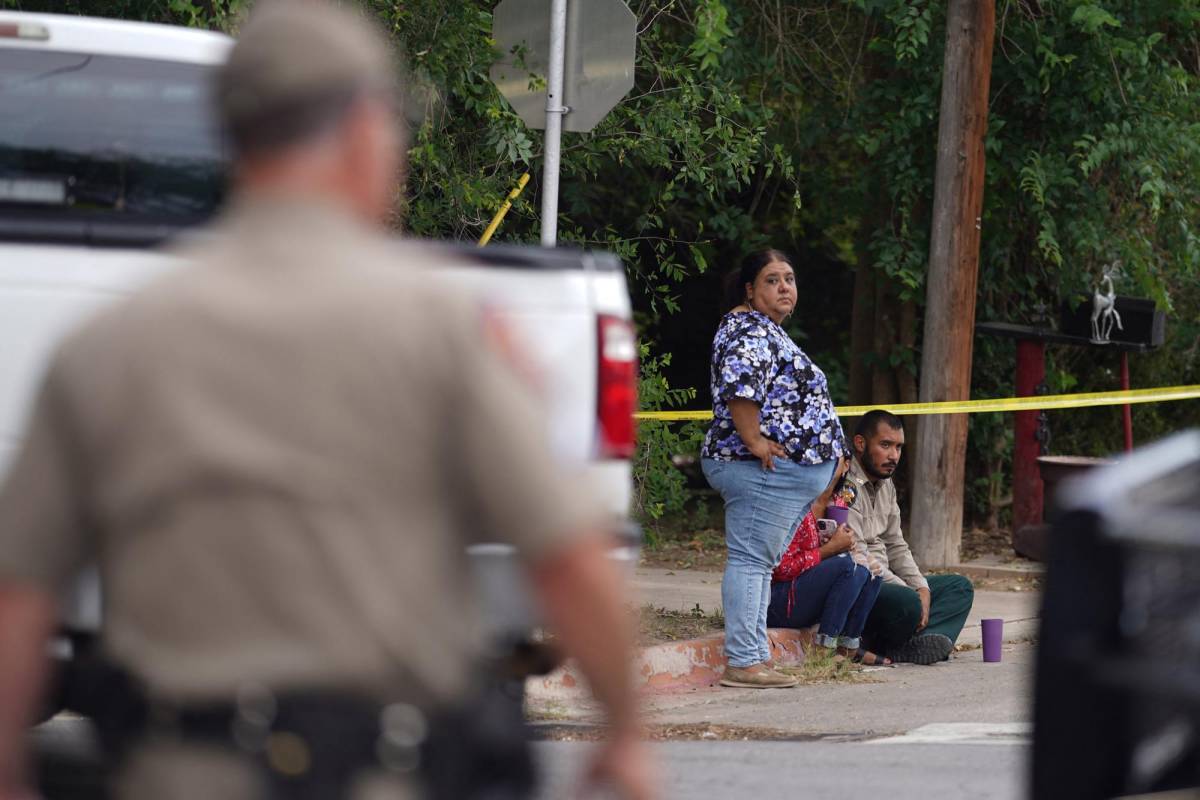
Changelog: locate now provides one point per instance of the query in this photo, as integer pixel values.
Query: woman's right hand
(841, 541)
(766, 451)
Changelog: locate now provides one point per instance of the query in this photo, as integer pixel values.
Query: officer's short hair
(297, 69)
(869, 422)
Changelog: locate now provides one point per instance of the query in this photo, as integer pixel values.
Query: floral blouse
(754, 359)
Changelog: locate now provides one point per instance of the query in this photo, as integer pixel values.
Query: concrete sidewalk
(698, 663)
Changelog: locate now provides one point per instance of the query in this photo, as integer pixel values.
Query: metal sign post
(554, 118)
(587, 59)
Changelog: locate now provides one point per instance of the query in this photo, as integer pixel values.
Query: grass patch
(820, 666)
(551, 711)
(658, 625)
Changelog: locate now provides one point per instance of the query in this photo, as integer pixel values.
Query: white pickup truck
(108, 149)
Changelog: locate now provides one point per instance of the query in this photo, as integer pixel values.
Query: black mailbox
(1141, 322)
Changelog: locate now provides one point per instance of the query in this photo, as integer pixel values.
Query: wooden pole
(1028, 491)
(935, 529)
(1126, 412)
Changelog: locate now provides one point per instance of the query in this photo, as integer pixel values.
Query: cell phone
(827, 527)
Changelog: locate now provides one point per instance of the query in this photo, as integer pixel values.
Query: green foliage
(712, 30)
(911, 25)
(1091, 18)
(659, 487)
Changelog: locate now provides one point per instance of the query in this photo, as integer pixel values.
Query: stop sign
(601, 36)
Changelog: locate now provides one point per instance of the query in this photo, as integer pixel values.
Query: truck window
(107, 138)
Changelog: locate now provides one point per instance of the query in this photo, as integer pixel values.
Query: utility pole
(935, 530)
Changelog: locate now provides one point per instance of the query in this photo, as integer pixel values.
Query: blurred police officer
(278, 454)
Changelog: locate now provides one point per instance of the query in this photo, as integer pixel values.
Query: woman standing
(770, 451)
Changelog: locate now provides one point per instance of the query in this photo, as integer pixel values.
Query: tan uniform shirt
(875, 515)
(277, 456)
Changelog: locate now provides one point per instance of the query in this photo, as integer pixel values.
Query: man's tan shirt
(875, 516)
(277, 455)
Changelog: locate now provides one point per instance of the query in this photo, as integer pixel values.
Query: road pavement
(985, 762)
(738, 770)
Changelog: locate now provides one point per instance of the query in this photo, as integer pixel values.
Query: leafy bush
(659, 486)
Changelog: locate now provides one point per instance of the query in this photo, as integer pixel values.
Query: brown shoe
(757, 676)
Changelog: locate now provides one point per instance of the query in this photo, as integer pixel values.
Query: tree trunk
(906, 383)
(935, 530)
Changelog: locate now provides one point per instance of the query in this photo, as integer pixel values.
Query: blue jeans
(762, 510)
(837, 593)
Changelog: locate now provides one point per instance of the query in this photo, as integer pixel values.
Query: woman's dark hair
(736, 280)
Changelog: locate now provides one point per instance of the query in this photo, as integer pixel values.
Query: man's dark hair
(290, 123)
(868, 423)
(297, 71)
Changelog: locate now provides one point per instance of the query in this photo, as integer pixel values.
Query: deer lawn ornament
(1104, 311)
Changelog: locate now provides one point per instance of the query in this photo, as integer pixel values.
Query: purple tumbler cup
(837, 514)
(993, 638)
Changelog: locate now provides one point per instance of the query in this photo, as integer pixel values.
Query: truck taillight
(617, 384)
(24, 30)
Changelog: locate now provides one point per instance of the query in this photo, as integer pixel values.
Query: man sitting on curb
(915, 619)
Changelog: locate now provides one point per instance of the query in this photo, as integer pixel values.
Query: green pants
(897, 612)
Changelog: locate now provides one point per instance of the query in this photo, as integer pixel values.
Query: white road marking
(964, 733)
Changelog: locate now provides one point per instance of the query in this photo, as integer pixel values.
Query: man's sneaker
(757, 676)
(924, 648)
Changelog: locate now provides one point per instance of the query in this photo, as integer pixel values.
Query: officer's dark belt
(312, 745)
(309, 745)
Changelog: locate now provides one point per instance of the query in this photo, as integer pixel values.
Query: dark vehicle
(1118, 674)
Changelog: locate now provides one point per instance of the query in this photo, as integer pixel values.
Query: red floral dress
(804, 552)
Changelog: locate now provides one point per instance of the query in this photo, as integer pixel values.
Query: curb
(979, 571)
(676, 666)
(698, 663)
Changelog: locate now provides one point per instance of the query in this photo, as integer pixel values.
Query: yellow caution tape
(504, 207)
(1036, 403)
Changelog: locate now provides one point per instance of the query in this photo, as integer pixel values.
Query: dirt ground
(660, 625)
(977, 542)
(702, 549)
